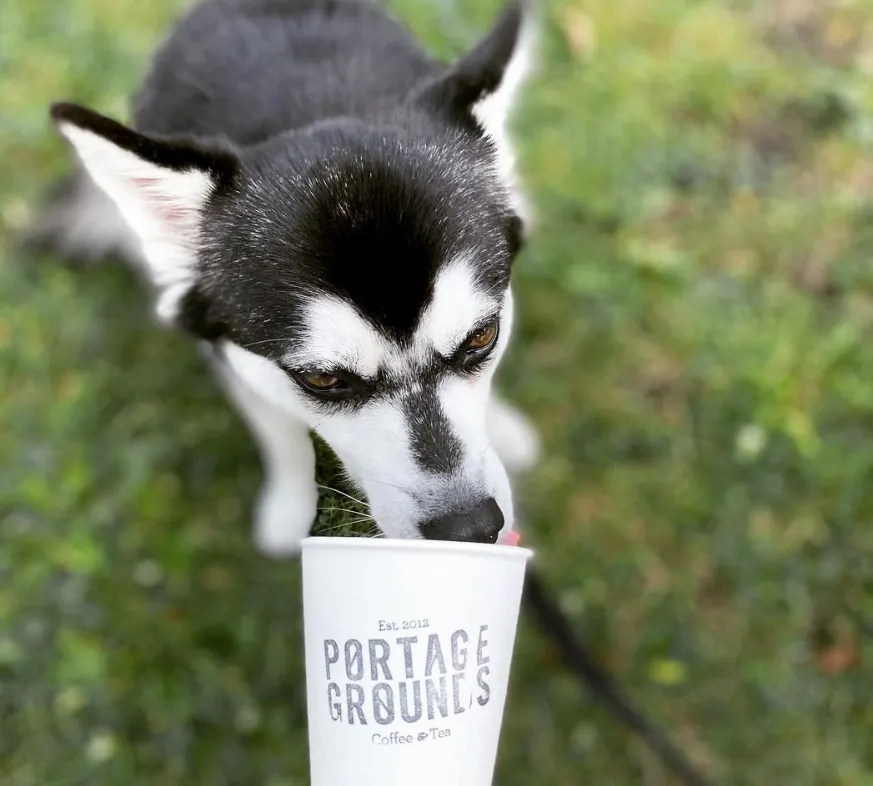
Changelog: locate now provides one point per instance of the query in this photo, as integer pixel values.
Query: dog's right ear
(159, 186)
(479, 90)
(482, 85)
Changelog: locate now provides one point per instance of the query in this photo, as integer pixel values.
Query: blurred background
(695, 343)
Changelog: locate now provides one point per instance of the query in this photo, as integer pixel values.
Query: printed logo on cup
(403, 679)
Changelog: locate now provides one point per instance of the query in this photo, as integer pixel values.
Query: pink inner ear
(164, 206)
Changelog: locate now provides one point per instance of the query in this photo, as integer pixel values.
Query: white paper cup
(408, 650)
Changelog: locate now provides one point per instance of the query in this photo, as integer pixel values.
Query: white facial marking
(161, 206)
(374, 441)
(465, 403)
(457, 306)
(337, 336)
(373, 445)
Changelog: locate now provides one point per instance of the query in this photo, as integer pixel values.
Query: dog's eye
(478, 345)
(331, 385)
(482, 339)
(338, 385)
(320, 381)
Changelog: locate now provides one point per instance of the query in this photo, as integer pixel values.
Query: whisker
(392, 485)
(359, 521)
(267, 341)
(347, 510)
(343, 525)
(330, 529)
(342, 494)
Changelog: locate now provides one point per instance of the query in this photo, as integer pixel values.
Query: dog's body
(333, 214)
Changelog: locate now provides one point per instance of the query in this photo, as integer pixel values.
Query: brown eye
(339, 385)
(478, 346)
(319, 381)
(482, 339)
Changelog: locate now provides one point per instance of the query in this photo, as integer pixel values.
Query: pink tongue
(510, 539)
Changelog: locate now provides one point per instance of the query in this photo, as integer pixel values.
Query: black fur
(434, 445)
(345, 158)
(252, 69)
(195, 317)
(367, 213)
(176, 154)
(480, 71)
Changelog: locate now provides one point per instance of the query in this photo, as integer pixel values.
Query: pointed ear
(160, 187)
(479, 90)
(481, 86)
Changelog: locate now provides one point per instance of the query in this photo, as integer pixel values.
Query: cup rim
(422, 546)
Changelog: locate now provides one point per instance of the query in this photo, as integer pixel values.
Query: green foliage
(695, 312)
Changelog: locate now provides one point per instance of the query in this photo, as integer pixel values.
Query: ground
(696, 305)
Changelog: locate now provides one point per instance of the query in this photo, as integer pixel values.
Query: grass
(695, 344)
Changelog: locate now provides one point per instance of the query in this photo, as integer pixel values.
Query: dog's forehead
(336, 334)
(379, 228)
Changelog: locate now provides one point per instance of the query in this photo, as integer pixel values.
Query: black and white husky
(333, 213)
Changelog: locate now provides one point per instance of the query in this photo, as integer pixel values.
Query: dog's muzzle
(481, 524)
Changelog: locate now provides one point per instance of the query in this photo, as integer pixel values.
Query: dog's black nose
(481, 524)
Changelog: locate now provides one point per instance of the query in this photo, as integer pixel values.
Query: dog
(333, 214)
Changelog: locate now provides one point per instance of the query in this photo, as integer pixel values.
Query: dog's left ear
(481, 86)
(161, 188)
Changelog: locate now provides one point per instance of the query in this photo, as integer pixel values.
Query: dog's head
(355, 274)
